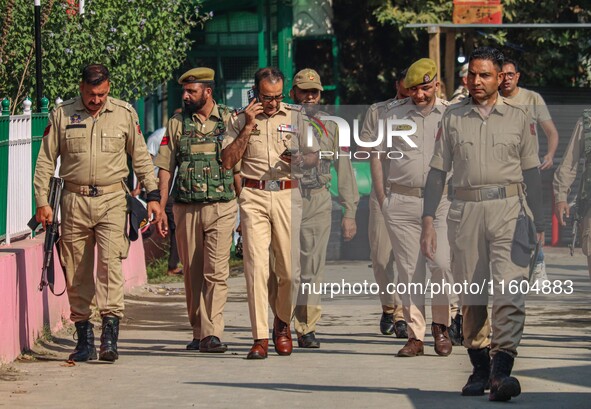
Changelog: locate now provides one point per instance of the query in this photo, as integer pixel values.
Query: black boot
(478, 381)
(85, 349)
(503, 386)
(108, 351)
(455, 331)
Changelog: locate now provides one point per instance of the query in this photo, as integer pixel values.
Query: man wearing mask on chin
(204, 207)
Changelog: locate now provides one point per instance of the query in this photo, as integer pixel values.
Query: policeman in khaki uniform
(93, 134)
(402, 208)
(268, 137)
(317, 204)
(579, 147)
(487, 141)
(205, 208)
(382, 258)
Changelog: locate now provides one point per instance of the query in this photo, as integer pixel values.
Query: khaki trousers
(481, 234)
(403, 215)
(382, 259)
(314, 236)
(204, 240)
(270, 223)
(86, 222)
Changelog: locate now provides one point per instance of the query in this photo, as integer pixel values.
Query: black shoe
(193, 345)
(478, 381)
(401, 329)
(108, 351)
(85, 349)
(455, 331)
(308, 341)
(212, 344)
(503, 386)
(387, 324)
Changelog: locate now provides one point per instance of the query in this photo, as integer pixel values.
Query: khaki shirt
(411, 170)
(92, 151)
(347, 184)
(566, 173)
(369, 130)
(485, 151)
(533, 102)
(286, 129)
(167, 154)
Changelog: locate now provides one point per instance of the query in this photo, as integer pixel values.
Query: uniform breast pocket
(76, 141)
(464, 150)
(112, 140)
(255, 146)
(505, 146)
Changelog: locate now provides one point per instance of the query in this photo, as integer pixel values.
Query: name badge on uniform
(288, 129)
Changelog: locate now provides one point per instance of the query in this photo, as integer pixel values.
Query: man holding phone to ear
(270, 203)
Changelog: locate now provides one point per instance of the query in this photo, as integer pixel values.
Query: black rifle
(575, 220)
(51, 235)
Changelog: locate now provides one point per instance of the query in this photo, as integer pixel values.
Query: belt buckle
(272, 186)
(93, 191)
(490, 193)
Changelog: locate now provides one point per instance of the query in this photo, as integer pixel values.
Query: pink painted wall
(24, 310)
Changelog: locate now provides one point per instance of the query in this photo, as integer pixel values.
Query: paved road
(355, 367)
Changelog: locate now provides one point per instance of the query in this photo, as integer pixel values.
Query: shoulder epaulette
(396, 102)
(238, 111)
(293, 107)
(67, 102)
(459, 104)
(507, 101)
(445, 103)
(123, 104)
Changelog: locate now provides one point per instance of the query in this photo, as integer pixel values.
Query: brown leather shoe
(282, 337)
(259, 349)
(413, 347)
(443, 344)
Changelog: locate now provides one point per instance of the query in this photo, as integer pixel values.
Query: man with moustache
(204, 209)
(92, 135)
(488, 142)
(268, 137)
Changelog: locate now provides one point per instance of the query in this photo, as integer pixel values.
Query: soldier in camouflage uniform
(578, 147)
(205, 206)
(92, 135)
(317, 204)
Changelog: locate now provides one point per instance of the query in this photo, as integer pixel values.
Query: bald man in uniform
(92, 135)
(269, 139)
(402, 207)
(487, 141)
(317, 205)
(204, 209)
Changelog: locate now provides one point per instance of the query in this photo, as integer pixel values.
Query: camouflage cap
(200, 74)
(420, 72)
(308, 79)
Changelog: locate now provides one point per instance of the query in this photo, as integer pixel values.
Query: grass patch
(158, 270)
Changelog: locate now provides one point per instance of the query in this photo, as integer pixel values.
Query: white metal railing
(19, 196)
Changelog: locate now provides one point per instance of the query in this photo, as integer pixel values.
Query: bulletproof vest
(584, 196)
(319, 176)
(201, 177)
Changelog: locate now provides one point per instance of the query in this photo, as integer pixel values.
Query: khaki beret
(308, 79)
(201, 74)
(420, 72)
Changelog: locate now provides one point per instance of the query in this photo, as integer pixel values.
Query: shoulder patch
(293, 107)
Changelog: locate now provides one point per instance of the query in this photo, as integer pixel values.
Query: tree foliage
(140, 41)
(558, 57)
